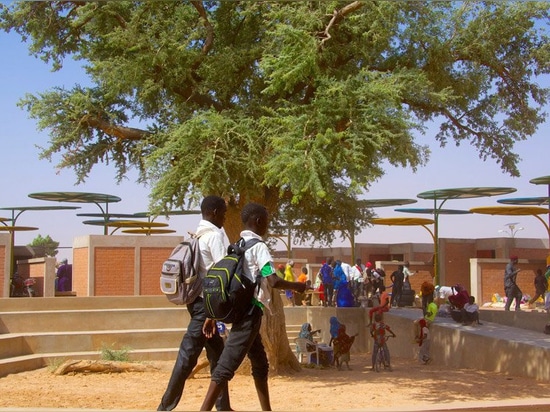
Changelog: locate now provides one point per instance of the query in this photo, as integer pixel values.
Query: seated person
(384, 305)
(470, 312)
(307, 333)
(342, 345)
(460, 298)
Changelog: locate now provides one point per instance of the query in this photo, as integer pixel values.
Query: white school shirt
(213, 245)
(255, 259)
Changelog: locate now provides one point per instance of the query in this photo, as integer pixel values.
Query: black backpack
(227, 292)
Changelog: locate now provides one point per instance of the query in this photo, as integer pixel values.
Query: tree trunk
(275, 340)
(100, 366)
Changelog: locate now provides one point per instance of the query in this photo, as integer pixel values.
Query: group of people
(244, 338)
(344, 285)
(286, 272)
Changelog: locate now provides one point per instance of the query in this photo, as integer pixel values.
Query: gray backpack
(179, 277)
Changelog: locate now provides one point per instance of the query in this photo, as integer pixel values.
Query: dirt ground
(409, 385)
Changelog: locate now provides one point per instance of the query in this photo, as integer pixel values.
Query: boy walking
(201, 332)
(245, 339)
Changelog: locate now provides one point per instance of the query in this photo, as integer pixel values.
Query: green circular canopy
(124, 223)
(169, 213)
(75, 197)
(533, 201)
(25, 208)
(402, 221)
(543, 180)
(465, 193)
(387, 202)
(107, 215)
(148, 231)
(431, 211)
(510, 210)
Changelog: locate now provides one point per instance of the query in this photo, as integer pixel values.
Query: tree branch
(337, 16)
(120, 132)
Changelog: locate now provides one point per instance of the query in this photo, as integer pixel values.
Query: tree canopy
(46, 244)
(297, 105)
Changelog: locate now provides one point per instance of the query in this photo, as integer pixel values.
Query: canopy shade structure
(408, 221)
(455, 193)
(465, 193)
(529, 201)
(387, 202)
(431, 211)
(17, 228)
(16, 211)
(510, 210)
(76, 197)
(108, 215)
(147, 232)
(118, 224)
(543, 180)
(402, 221)
(169, 213)
(515, 211)
(80, 197)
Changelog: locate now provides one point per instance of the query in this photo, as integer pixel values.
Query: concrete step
(27, 351)
(92, 319)
(81, 303)
(12, 345)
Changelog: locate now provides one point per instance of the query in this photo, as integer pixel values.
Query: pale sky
(21, 173)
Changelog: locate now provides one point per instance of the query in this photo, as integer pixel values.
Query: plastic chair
(303, 351)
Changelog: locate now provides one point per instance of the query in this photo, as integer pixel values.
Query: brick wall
(114, 271)
(80, 270)
(151, 260)
(492, 278)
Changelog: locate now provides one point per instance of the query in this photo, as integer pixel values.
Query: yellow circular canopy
(510, 210)
(402, 221)
(16, 228)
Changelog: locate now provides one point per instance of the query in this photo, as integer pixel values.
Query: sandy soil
(410, 384)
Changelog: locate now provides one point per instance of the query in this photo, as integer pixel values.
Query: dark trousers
(328, 291)
(396, 293)
(512, 293)
(190, 349)
(244, 340)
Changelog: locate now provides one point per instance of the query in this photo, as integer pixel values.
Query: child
(244, 338)
(342, 346)
(384, 305)
(423, 340)
(378, 332)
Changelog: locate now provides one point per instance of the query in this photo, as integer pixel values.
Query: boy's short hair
(253, 211)
(378, 316)
(211, 203)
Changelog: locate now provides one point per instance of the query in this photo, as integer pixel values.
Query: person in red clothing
(459, 298)
(384, 305)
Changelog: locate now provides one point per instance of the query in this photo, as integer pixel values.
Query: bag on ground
(227, 292)
(179, 278)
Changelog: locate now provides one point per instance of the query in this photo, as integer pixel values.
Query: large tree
(292, 104)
